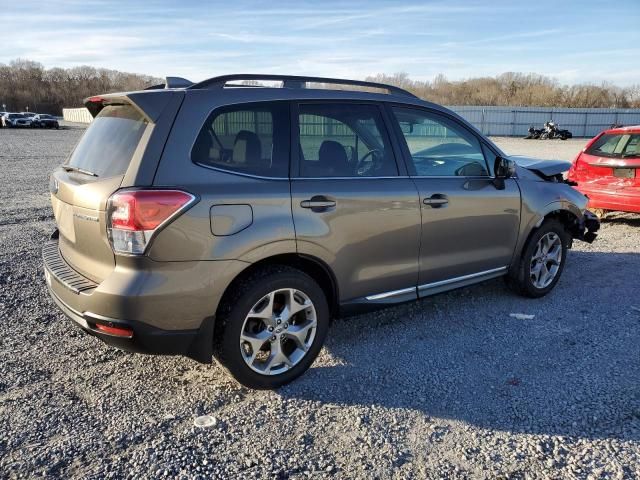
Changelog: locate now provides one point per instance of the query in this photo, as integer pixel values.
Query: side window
(250, 138)
(439, 147)
(343, 140)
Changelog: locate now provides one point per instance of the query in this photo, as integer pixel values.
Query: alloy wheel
(278, 331)
(546, 260)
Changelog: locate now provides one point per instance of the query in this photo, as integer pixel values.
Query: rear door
(469, 227)
(352, 205)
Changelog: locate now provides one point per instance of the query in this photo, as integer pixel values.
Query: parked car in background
(213, 218)
(29, 114)
(607, 171)
(42, 120)
(14, 120)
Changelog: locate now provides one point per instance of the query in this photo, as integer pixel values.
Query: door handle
(436, 201)
(318, 203)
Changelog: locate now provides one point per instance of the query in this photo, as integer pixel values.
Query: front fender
(542, 199)
(557, 206)
(581, 224)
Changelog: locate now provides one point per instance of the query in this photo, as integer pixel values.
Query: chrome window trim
(474, 177)
(249, 175)
(241, 174)
(479, 177)
(351, 178)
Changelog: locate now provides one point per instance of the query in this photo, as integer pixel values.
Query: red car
(607, 170)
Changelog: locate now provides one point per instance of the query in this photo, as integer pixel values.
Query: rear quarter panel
(190, 237)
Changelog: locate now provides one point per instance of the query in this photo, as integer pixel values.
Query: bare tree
(25, 84)
(515, 89)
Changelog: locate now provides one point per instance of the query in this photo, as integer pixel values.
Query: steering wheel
(375, 155)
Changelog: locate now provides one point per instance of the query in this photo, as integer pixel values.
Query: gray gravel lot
(452, 386)
(547, 149)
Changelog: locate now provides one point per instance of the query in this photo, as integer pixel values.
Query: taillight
(134, 216)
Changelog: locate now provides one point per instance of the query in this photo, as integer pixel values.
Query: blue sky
(573, 41)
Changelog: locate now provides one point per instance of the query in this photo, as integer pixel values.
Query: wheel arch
(566, 213)
(312, 266)
(561, 211)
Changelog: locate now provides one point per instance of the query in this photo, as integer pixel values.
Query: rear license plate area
(624, 172)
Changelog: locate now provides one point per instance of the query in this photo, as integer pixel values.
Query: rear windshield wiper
(71, 168)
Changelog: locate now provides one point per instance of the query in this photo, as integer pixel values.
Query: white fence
(505, 121)
(515, 121)
(77, 115)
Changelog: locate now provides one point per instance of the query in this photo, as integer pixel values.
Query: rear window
(108, 144)
(616, 145)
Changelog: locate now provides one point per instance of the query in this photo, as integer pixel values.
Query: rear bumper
(625, 199)
(145, 338)
(169, 306)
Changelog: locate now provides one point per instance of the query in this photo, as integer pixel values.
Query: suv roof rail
(294, 81)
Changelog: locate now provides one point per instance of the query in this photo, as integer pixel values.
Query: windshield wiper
(628, 155)
(71, 168)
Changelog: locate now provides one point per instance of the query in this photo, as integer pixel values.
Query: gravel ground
(547, 149)
(449, 387)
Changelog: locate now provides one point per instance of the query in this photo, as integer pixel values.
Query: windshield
(110, 141)
(616, 145)
(16, 115)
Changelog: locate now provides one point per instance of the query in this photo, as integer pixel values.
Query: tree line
(27, 85)
(516, 89)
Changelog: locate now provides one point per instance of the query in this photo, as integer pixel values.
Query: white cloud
(327, 38)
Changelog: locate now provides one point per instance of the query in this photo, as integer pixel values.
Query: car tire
(299, 337)
(529, 276)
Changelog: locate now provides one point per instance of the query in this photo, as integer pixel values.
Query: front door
(351, 206)
(469, 227)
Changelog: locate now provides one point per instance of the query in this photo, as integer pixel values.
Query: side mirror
(502, 169)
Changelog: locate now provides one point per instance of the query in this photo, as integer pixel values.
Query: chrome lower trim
(393, 293)
(463, 278)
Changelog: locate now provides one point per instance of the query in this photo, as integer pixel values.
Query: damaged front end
(549, 170)
(571, 202)
(588, 227)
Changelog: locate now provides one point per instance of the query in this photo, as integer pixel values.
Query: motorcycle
(534, 133)
(552, 130)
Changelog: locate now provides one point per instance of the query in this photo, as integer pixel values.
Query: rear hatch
(82, 186)
(610, 162)
(121, 148)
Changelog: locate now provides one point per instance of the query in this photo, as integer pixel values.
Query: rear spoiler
(150, 103)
